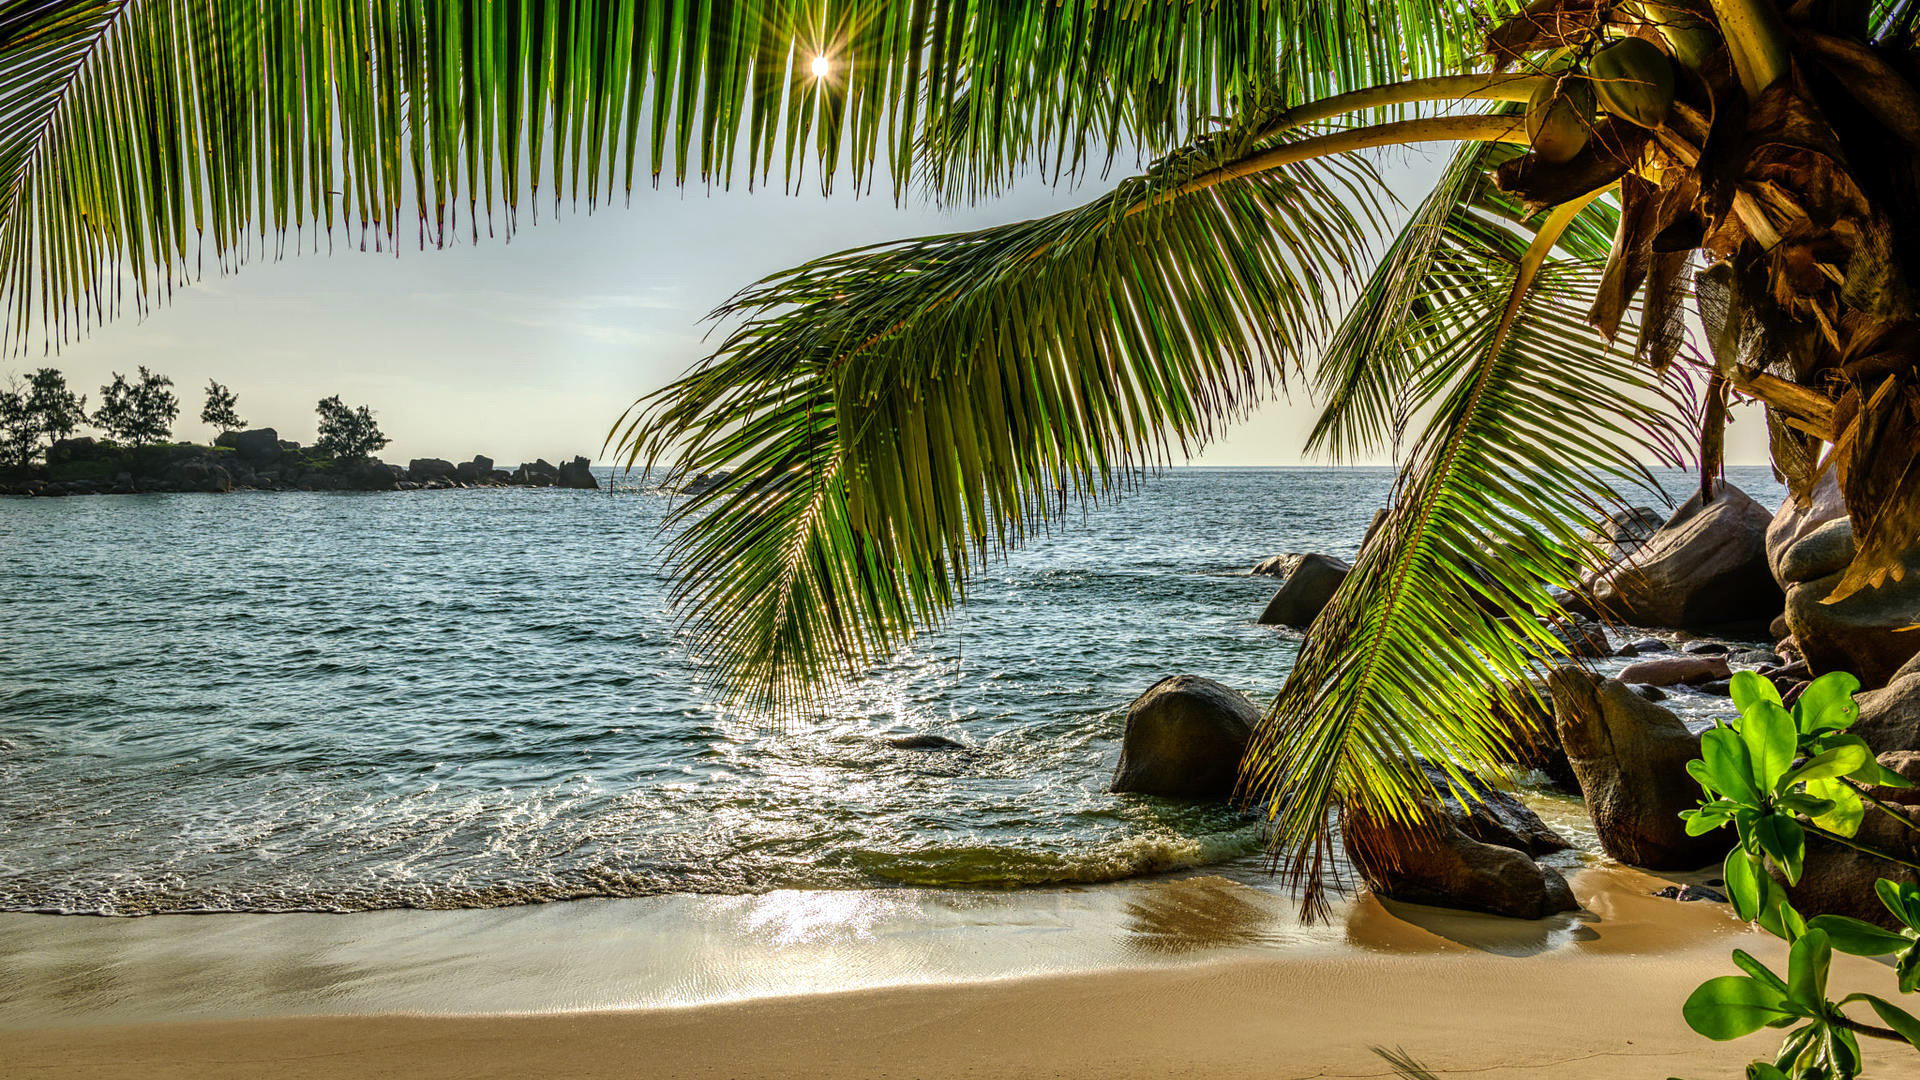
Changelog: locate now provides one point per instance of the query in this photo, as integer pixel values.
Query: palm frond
(894, 415)
(139, 140)
(1534, 424)
(1362, 378)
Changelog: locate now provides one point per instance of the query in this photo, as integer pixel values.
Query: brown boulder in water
(1707, 566)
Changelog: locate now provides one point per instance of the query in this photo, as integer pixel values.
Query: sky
(532, 348)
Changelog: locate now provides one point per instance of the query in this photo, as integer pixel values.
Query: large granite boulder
(423, 470)
(1890, 716)
(1493, 816)
(1707, 566)
(1808, 550)
(1185, 737)
(1305, 592)
(1277, 565)
(1443, 866)
(1630, 757)
(256, 446)
(578, 473)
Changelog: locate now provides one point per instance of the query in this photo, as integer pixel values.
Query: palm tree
(895, 415)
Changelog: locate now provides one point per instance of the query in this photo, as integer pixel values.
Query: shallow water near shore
(341, 702)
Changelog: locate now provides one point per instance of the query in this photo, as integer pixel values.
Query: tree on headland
(137, 413)
(893, 417)
(19, 429)
(219, 411)
(56, 409)
(348, 433)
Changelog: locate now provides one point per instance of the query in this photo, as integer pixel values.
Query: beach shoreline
(1595, 995)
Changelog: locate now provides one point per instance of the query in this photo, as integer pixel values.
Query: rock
(537, 473)
(1677, 671)
(578, 473)
(1651, 693)
(256, 447)
(1630, 757)
(1707, 566)
(1447, 868)
(1185, 737)
(1687, 893)
(477, 471)
(1890, 716)
(1582, 636)
(1626, 650)
(1907, 764)
(1493, 816)
(1626, 531)
(1778, 628)
(924, 741)
(199, 474)
(1650, 644)
(701, 483)
(1277, 565)
(1755, 657)
(426, 470)
(1717, 688)
(1705, 648)
(1809, 550)
(1305, 592)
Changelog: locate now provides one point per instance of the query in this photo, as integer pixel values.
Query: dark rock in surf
(1445, 867)
(1306, 591)
(1185, 737)
(1676, 671)
(924, 741)
(578, 473)
(1707, 566)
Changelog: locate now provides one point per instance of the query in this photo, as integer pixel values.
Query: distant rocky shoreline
(259, 460)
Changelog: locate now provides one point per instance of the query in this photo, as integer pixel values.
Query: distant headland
(40, 454)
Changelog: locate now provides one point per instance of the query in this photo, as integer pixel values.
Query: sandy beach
(1230, 990)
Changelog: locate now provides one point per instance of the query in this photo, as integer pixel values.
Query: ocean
(477, 698)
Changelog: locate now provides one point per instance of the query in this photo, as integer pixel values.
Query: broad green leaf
(1807, 964)
(1894, 1017)
(1771, 742)
(1749, 689)
(1839, 761)
(1806, 805)
(1731, 1006)
(1900, 898)
(1859, 938)
(1729, 765)
(1847, 811)
(1907, 969)
(1746, 962)
(1785, 842)
(1827, 703)
(1760, 1070)
(1701, 822)
(1746, 887)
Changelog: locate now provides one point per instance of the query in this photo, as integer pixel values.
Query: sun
(822, 67)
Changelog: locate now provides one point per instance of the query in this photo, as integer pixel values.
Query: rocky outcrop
(1305, 592)
(1444, 866)
(1492, 816)
(1185, 737)
(578, 473)
(1630, 757)
(1808, 550)
(537, 473)
(1890, 716)
(1706, 566)
(257, 459)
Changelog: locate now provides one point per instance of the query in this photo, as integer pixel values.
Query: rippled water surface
(470, 698)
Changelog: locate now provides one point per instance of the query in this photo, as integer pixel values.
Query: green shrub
(1778, 777)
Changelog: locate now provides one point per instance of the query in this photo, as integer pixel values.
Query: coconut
(1560, 118)
(1634, 81)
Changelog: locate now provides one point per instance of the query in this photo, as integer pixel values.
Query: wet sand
(1201, 977)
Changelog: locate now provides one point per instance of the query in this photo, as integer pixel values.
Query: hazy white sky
(532, 348)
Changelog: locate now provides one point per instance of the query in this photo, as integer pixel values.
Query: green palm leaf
(140, 139)
(1534, 425)
(894, 415)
